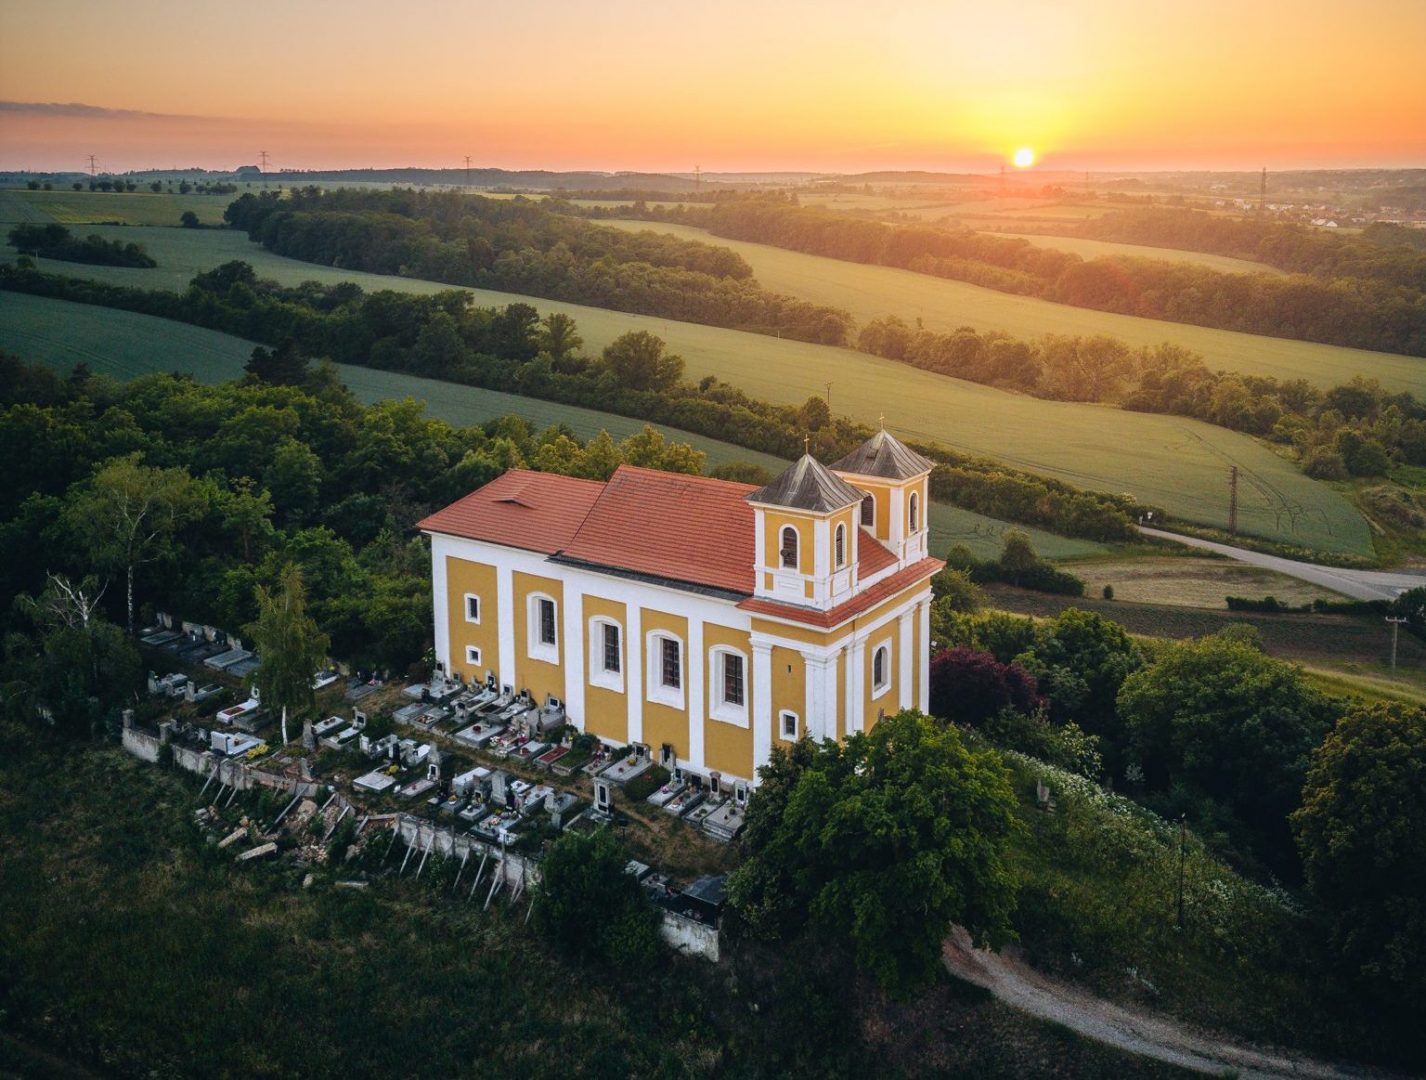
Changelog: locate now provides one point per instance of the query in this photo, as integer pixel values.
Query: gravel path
(1020, 986)
(1358, 584)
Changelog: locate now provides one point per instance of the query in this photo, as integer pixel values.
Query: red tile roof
(693, 530)
(531, 510)
(857, 605)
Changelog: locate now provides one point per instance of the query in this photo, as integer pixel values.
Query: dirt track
(1018, 985)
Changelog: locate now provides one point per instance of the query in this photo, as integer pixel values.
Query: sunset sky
(732, 85)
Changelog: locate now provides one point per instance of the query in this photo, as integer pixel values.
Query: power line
(262, 160)
(93, 165)
(467, 172)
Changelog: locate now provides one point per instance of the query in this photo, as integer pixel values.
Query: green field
(1086, 248)
(872, 291)
(1180, 465)
(123, 344)
(127, 208)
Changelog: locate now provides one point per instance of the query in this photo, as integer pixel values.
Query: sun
(1024, 157)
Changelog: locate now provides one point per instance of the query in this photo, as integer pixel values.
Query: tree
(1359, 832)
(637, 359)
(1227, 725)
(189, 220)
(1081, 660)
(880, 844)
(1017, 556)
(290, 647)
(590, 906)
(282, 366)
(559, 337)
(968, 686)
(129, 515)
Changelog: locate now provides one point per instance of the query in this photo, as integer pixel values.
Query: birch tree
(290, 646)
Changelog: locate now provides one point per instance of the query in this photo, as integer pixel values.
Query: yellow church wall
(463, 576)
(888, 698)
(789, 690)
(727, 747)
(773, 523)
(538, 676)
(664, 724)
(606, 712)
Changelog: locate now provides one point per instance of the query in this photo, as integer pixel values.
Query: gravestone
(603, 795)
(309, 737)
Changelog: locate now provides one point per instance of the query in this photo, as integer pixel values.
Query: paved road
(1358, 584)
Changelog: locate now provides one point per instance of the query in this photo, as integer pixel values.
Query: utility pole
(262, 160)
(1233, 501)
(1396, 622)
(829, 397)
(1263, 192)
(467, 172)
(1181, 850)
(697, 179)
(93, 165)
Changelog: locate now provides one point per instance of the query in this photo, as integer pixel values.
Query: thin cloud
(89, 112)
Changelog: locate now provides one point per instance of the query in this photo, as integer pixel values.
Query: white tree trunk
(131, 599)
(284, 725)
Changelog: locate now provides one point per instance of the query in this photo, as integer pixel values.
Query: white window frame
(839, 546)
(797, 548)
(913, 513)
(472, 655)
(655, 690)
(599, 675)
(782, 725)
(877, 691)
(534, 647)
(468, 598)
(872, 523)
(718, 708)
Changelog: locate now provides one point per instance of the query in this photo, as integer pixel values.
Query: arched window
(841, 545)
(880, 668)
(915, 512)
(789, 547)
(869, 510)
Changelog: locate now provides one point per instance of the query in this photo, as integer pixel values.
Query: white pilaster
(906, 653)
(697, 693)
(856, 686)
(634, 671)
(923, 661)
(762, 704)
(575, 640)
(440, 604)
(505, 613)
(819, 714)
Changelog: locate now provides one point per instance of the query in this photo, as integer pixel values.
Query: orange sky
(731, 85)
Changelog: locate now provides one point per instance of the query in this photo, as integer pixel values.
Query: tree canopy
(880, 843)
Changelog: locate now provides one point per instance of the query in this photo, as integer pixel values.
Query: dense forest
(239, 480)
(516, 245)
(447, 337)
(1383, 309)
(55, 242)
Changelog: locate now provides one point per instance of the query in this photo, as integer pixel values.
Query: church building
(704, 620)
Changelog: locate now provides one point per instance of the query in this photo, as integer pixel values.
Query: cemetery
(484, 775)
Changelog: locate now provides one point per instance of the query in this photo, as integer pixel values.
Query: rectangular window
(472, 608)
(611, 648)
(732, 679)
(547, 622)
(789, 725)
(472, 655)
(672, 668)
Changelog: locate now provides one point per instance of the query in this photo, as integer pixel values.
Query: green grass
(1180, 465)
(1086, 248)
(124, 345)
(128, 208)
(872, 291)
